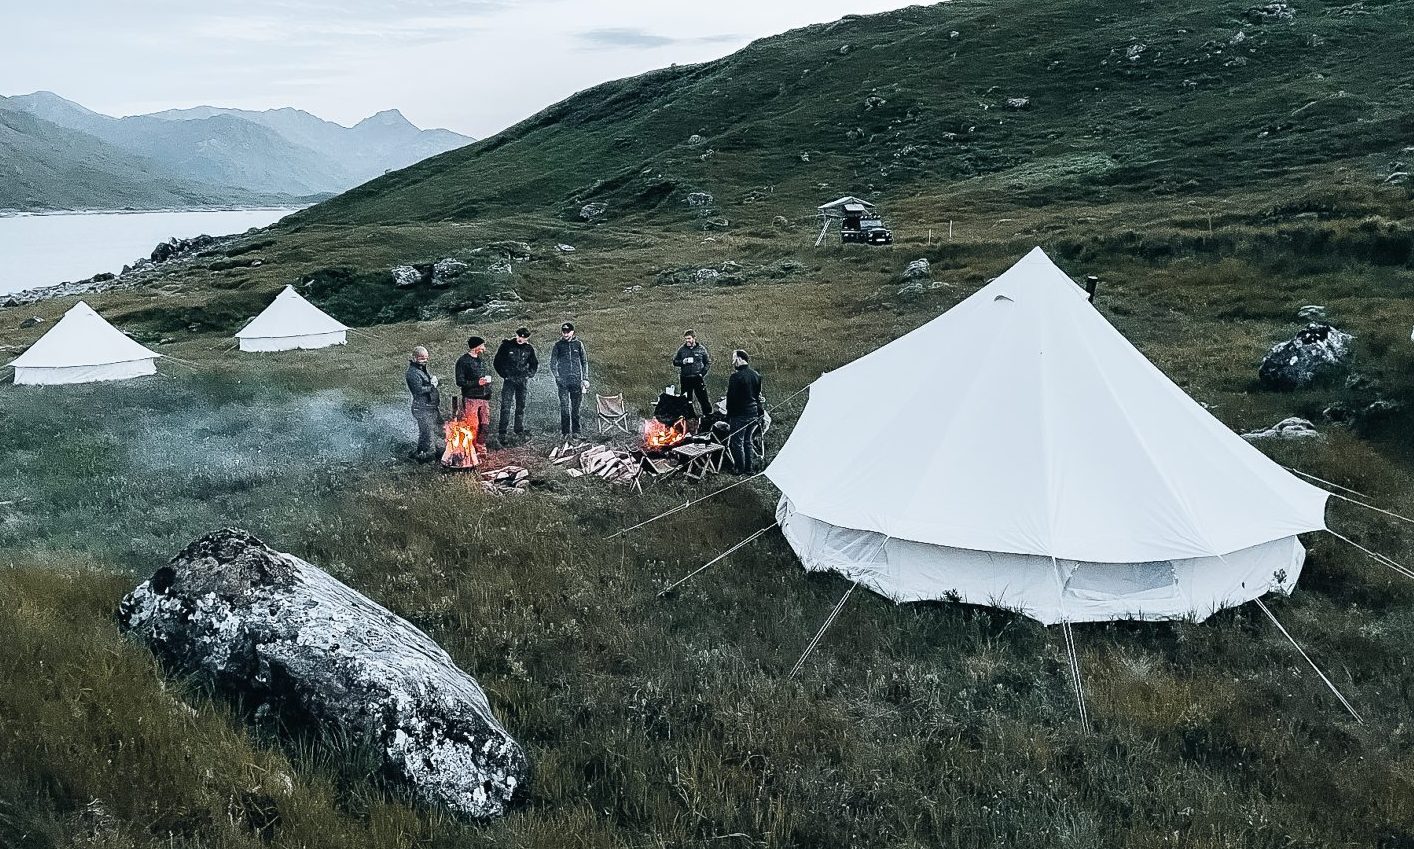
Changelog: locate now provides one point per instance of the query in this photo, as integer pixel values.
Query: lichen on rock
(294, 642)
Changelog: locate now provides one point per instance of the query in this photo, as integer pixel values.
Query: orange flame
(461, 443)
(658, 436)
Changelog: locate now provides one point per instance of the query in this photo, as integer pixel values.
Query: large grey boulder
(446, 271)
(593, 211)
(1317, 349)
(287, 637)
(405, 276)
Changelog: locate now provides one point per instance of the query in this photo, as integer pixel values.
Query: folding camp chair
(613, 413)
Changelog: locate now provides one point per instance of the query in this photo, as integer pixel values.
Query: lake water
(41, 250)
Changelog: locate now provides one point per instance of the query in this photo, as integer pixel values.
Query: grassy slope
(1191, 112)
(671, 723)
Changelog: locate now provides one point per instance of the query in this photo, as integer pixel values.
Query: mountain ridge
(228, 155)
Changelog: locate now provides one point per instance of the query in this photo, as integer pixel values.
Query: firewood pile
(507, 480)
(601, 461)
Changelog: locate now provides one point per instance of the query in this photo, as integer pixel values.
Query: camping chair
(613, 413)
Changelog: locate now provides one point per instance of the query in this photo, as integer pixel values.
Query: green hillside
(1155, 98)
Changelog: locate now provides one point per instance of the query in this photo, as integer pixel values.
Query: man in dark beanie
(570, 367)
(744, 410)
(516, 363)
(693, 362)
(475, 383)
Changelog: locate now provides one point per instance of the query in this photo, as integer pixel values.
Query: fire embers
(658, 437)
(460, 452)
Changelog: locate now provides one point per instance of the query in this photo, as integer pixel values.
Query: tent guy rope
(1075, 679)
(1345, 702)
(699, 570)
(829, 620)
(685, 505)
(1324, 481)
(1376, 556)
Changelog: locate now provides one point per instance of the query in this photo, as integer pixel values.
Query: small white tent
(291, 322)
(83, 348)
(1017, 451)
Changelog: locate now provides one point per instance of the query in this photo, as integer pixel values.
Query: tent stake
(699, 570)
(829, 620)
(1348, 706)
(1075, 678)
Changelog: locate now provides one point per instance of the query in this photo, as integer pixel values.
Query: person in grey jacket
(693, 363)
(426, 405)
(570, 367)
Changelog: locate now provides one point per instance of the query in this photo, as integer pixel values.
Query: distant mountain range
(56, 154)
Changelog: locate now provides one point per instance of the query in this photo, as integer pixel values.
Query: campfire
(658, 437)
(461, 444)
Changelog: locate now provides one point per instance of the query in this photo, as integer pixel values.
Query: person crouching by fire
(426, 406)
(744, 411)
(474, 378)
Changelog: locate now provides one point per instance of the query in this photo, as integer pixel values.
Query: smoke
(234, 444)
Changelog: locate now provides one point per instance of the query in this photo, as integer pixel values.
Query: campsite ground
(672, 722)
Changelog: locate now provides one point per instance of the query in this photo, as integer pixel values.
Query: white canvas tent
(1018, 452)
(83, 348)
(289, 323)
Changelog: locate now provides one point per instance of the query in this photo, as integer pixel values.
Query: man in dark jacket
(744, 409)
(570, 367)
(516, 363)
(475, 381)
(426, 405)
(693, 363)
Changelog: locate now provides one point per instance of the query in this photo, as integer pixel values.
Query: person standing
(744, 411)
(516, 363)
(693, 363)
(475, 381)
(426, 405)
(570, 367)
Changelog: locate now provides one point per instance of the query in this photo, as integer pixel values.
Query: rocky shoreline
(166, 258)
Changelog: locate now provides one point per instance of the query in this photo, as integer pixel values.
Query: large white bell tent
(83, 348)
(1018, 452)
(290, 323)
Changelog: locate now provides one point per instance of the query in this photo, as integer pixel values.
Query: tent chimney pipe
(1091, 284)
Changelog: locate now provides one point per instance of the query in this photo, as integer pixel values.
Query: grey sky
(475, 66)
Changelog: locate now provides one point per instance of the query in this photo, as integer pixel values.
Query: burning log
(658, 437)
(460, 452)
(282, 634)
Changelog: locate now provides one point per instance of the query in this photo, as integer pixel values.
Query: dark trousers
(512, 392)
(741, 444)
(570, 396)
(427, 419)
(696, 387)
